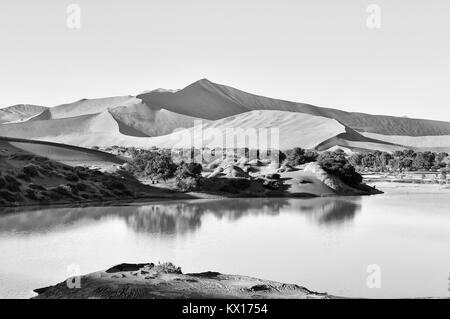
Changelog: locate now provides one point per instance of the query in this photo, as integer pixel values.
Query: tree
(153, 164)
(299, 156)
(336, 164)
(188, 176)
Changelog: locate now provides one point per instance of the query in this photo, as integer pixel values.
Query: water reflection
(181, 217)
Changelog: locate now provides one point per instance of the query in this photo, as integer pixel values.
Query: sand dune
(58, 152)
(151, 121)
(421, 143)
(250, 129)
(212, 101)
(19, 113)
(133, 117)
(151, 118)
(91, 106)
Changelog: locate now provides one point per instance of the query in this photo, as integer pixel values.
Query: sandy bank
(166, 281)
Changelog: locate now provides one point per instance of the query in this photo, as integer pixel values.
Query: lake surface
(324, 244)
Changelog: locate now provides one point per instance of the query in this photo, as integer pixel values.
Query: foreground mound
(166, 281)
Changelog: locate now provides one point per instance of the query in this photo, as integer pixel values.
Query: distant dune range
(151, 118)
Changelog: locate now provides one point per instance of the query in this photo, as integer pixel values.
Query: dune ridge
(213, 101)
(103, 129)
(19, 112)
(151, 119)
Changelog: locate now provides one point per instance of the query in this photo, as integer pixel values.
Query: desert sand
(19, 113)
(150, 119)
(104, 129)
(206, 99)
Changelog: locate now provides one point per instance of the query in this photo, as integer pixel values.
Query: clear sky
(319, 52)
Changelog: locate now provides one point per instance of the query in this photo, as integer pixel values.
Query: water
(324, 244)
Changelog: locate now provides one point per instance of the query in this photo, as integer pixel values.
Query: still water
(324, 244)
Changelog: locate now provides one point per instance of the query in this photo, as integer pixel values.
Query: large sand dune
(19, 113)
(91, 106)
(133, 117)
(209, 100)
(151, 118)
(253, 129)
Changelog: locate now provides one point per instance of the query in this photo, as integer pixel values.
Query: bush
(336, 164)
(29, 193)
(31, 170)
(12, 184)
(82, 187)
(273, 184)
(9, 197)
(113, 184)
(153, 165)
(71, 177)
(188, 176)
(65, 190)
(168, 268)
(299, 156)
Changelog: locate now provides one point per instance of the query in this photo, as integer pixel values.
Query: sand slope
(213, 101)
(134, 117)
(57, 152)
(250, 129)
(421, 143)
(19, 113)
(90, 106)
(130, 121)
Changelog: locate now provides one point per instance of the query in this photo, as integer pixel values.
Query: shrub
(336, 164)
(71, 177)
(31, 170)
(168, 268)
(188, 176)
(187, 184)
(299, 156)
(114, 184)
(81, 187)
(8, 196)
(29, 193)
(12, 184)
(273, 184)
(153, 165)
(65, 190)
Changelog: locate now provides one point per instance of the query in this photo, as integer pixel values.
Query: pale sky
(319, 52)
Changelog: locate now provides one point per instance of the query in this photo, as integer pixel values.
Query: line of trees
(407, 160)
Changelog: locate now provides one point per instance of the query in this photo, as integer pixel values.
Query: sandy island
(166, 281)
